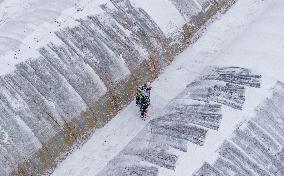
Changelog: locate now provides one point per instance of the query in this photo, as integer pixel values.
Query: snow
(164, 13)
(197, 4)
(20, 18)
(249, 36)
(28, 25)
(263, 54)
(4, 136)
(28, 132)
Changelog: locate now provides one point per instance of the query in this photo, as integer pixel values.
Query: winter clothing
(143, 98)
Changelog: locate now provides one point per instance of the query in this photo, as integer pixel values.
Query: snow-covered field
(164, 13)
(18, 19)
(64, 62)
(250, 35)
(28, 25)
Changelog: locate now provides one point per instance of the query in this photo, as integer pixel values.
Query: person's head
(148, 85)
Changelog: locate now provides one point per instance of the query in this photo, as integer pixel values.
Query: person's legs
(137, 101)
(143, 110)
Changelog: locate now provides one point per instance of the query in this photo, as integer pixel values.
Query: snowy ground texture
(256, 148)
(28, 25)
(68, 71)
(249, 36)
(19, 19)
(187, 119)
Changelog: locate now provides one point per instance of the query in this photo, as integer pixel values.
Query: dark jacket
(143, 96)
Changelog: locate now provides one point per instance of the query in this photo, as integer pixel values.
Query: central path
(108, 141)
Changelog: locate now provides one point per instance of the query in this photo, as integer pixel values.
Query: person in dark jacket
(143, 98)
